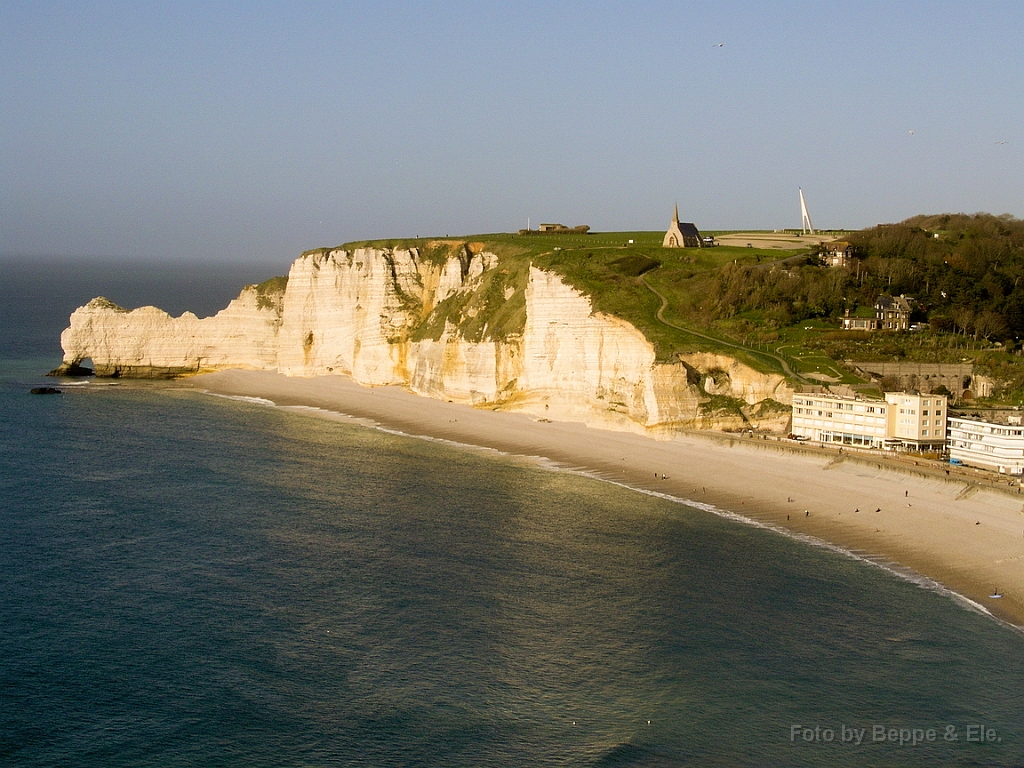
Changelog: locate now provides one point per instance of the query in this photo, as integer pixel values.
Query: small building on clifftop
(681, 235)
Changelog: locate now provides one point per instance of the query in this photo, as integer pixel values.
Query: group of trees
(965, 273)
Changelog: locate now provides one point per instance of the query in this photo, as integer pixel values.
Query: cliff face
(455, 325)
(149, 343)
(351, 312)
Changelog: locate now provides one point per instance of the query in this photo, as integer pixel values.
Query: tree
(990, 325)
(963, 318)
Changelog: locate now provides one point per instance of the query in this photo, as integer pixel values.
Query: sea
(192, 580)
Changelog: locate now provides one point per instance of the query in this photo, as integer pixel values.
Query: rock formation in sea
(454, 324)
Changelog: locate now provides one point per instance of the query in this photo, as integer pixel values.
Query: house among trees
(838, 253)
(858, 323)
(682, 235)
(893, 312)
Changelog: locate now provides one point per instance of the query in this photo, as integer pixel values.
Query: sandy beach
(965, 536)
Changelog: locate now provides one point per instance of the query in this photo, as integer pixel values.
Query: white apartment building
(831, 418)
(902, 420)
(917, 421)
(986, 444)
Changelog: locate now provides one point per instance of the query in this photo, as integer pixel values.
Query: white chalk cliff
(460, 328)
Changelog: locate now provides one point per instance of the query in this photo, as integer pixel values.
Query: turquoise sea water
(191, 580)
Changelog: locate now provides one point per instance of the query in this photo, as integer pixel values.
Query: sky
(252, 131)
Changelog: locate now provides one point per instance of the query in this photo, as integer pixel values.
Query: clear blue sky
(235, 131)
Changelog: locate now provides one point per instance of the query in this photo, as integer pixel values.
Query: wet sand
(967, 537)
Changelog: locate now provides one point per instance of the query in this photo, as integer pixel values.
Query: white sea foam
(244, 399)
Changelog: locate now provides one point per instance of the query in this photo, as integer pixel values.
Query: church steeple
(681, 235)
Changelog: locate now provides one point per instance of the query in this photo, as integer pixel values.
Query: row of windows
(849, 439)
(924, 422)
(832, 414)
(981, 448)
(869, 409)
(849, 406)
(839, 406)
(811, 413)
(1002, 431)
(913, 412)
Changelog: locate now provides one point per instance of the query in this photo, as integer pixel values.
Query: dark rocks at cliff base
(71, 369)
(44, 391)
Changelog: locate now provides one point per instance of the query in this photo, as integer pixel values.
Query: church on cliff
(681, 235)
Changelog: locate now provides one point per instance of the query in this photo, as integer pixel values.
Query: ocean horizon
(193, 579)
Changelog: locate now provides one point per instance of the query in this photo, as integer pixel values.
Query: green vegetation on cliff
(606, 267)
(269, 292)
(494, 311)
(776, 310)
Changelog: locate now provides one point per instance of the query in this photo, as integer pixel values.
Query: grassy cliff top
(625, 274)
(780, 310)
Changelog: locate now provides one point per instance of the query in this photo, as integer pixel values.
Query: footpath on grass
(661, 318)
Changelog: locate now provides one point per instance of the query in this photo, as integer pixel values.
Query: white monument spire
(805, 218)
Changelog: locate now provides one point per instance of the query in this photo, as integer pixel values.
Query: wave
(244, 399)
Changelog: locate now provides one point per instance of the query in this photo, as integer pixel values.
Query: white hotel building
(910, 421)
(986, 444)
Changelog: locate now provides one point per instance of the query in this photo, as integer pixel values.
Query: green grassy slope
(778, 311)
(616, 274)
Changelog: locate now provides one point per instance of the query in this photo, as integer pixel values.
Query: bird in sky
(1002, 142)
(911, 131)
(718, 45)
